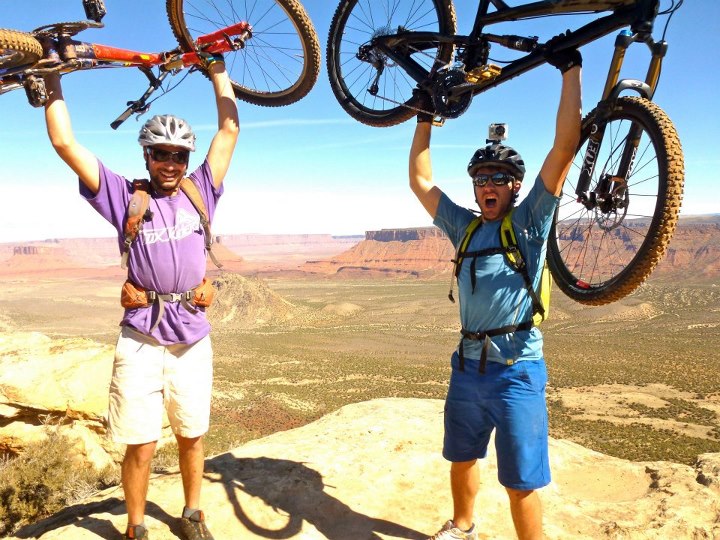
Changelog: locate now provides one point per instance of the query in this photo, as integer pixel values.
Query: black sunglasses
(498, 179)
(181, 157)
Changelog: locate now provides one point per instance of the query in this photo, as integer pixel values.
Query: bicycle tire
(18, 49)
(279, 64)
(595, 256)
(350, 77)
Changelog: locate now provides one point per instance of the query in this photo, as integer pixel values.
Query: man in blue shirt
(498, 378)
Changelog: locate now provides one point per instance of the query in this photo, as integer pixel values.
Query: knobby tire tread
(22, 42)
(664, 220)
(308, 37)
(391, 117)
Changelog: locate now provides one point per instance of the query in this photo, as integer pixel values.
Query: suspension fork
(612, 90)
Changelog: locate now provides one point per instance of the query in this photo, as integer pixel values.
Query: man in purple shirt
(163, 358)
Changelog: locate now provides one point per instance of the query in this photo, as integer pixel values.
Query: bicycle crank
(445, 103)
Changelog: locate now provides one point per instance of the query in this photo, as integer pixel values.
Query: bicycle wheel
(601, 254)
(354, 25)
(18, 49)
(280, 62)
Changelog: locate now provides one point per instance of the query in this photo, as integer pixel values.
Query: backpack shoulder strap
(137, 213)
(189, 188)
(514, 258)
(460, 252)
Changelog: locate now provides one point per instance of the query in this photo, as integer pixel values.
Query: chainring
(446, 105)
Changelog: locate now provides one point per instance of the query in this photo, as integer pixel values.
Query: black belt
(485, 336)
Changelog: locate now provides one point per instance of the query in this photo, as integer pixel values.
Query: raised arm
(567, 125)
(60, 132)
(223, 143)
(420, 169)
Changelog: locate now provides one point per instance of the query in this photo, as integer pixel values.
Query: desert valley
(331, 354)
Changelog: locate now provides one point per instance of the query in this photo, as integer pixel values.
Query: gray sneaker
(450, 532)
(194, 528)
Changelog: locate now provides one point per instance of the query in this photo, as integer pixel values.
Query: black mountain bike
(615, 225)
(271, 49)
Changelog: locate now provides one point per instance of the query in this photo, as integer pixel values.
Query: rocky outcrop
(427, 255)
(246, 303)
(374, 469)
(57, 381)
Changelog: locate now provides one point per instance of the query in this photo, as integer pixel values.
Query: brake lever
(140, 106)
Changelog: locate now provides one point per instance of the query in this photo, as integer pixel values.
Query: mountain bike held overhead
(271, 50)
(622, 196)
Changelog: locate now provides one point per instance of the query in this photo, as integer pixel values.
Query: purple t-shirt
(168, 256)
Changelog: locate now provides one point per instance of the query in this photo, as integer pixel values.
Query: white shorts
(148, 377)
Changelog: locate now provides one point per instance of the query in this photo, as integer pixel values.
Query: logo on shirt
(185, 225)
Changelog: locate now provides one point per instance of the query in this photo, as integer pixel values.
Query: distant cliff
(404, 235)
(427, 252)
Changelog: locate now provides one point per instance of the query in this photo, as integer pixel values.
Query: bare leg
(526, 511)
(464, 483)
(135, 479)
(192, 465)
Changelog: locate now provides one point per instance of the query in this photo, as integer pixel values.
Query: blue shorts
(509, 399)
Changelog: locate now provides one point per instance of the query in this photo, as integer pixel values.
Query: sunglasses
(498, 179)
(181, 157)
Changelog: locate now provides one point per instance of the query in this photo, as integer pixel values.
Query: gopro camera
(497, 132)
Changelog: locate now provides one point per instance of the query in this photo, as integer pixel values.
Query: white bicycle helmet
(167, 129)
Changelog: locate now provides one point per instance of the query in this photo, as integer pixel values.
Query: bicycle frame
(64, 55)
(639, 16)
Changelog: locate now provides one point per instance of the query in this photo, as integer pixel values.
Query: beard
(165, 184)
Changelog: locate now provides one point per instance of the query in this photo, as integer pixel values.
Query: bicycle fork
(611, 193)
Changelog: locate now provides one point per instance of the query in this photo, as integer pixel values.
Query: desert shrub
(45, 478)
(165, 458)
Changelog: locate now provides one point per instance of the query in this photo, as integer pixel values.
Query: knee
(140, 454)
(519, 494)
(189, 444)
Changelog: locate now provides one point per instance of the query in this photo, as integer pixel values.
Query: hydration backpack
(514, 258)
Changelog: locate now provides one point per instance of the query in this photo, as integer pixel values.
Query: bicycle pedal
(438, 121)
(35, 90)
(485, 72)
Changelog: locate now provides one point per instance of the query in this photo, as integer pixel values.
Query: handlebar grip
(124, 116)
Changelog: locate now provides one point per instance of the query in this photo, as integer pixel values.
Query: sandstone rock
(373, 470)
(63, 375)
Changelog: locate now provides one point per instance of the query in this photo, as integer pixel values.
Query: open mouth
(491, 202)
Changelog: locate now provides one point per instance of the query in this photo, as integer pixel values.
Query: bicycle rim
(280, 62)
(602, 254)
(354, 25)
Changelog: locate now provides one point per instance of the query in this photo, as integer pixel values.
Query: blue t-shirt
(167, 256)
(500, 297)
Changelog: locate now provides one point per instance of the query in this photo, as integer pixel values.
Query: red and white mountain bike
(271, 50)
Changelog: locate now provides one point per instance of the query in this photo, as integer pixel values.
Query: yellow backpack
(514, 258)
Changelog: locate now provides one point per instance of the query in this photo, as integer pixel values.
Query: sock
(136, 525)
(187, 512)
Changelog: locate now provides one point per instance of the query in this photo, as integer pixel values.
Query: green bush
(45, 479)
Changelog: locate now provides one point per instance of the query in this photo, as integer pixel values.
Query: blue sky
(309, 167)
